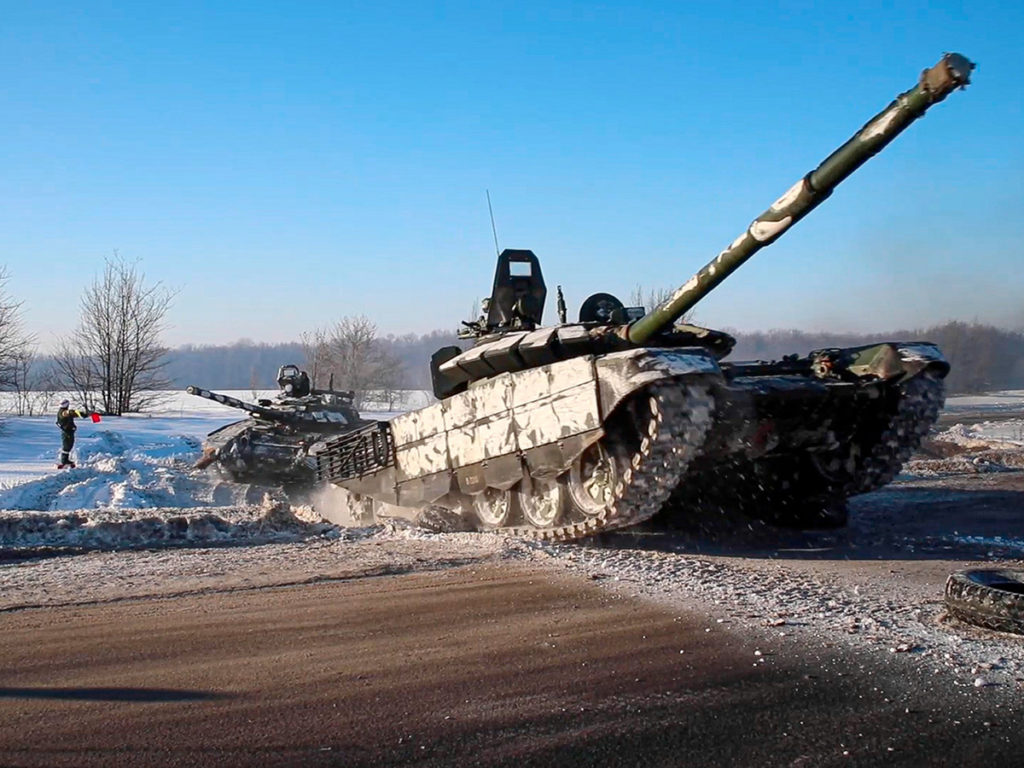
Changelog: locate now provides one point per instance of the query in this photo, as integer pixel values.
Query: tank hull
(489, 447)
(272, 446)
(255, 452)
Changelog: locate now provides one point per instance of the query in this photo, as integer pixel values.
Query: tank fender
(898, 361)
(622, 373)
(923, 355)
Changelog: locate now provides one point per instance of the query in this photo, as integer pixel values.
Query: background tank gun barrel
(234, 402)
(953, 71)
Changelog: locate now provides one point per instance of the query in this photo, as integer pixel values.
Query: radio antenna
(494, 230)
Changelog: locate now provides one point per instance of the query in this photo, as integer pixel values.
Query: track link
(921, 399)
(793, 490)
(681, 415)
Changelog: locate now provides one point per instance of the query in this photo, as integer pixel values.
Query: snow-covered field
(984, 433)
(993, 402)
(134, 484)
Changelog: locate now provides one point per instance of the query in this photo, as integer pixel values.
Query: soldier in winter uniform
(66, 421)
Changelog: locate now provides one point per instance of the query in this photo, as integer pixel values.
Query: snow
(993, 401)
(987, 434)
(134, 485)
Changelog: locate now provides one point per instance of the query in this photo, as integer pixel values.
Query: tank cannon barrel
(951, 72)
(234, 402)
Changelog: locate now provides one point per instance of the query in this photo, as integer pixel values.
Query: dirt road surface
(482, 664)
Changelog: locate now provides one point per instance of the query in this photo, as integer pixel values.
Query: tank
(563, 431)
(272, 444)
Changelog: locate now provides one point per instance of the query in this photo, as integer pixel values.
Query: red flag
(95, 418)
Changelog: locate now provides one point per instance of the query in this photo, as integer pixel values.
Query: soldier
(66, 421)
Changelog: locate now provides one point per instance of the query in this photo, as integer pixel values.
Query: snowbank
(29, 533)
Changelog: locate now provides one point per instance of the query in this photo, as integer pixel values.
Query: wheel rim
(493, 507)
(362, 510)
(592, 479)
(541, 502)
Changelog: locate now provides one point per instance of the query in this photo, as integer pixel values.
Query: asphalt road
(486, 665)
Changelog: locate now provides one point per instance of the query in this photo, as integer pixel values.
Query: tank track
(916, 412)
(794, 491)
(681, 415)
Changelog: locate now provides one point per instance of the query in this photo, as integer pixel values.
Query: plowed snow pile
(988, 446)
(133, 487)
(25, 533)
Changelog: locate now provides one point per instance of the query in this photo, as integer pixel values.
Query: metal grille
(356, 454)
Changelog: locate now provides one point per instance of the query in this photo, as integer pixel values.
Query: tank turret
(566, 430)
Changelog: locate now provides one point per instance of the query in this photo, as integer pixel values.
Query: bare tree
(35, 388)
(393, 380)
(114, 360)
(314, 348)
(649, 298)
(16, 346)
(350, 352)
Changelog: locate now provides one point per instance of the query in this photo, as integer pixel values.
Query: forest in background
(114, 362)
(983, 357)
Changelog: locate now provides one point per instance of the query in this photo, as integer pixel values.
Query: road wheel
(493, 508)
(541, 501)
(592, 479)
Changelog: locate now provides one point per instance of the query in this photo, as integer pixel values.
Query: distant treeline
(242, 365)
(983, 357)
(249, 365)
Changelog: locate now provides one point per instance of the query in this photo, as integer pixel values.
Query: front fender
(896, 360)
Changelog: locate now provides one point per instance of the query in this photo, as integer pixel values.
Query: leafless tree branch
(15, 344)
(114, 360)
(351, 352)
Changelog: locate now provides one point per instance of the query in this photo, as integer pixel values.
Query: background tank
(272, 445)
(564, 431)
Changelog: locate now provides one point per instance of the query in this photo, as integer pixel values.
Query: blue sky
(281, 165)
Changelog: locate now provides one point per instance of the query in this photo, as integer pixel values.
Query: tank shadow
(902, 522)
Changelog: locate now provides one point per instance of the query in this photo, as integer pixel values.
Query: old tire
(992, 598)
